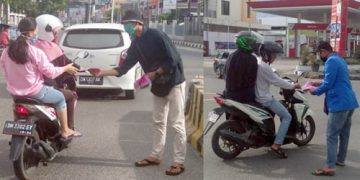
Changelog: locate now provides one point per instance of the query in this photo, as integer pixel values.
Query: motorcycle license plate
(20, 128)
(213, 116)
(90, 80)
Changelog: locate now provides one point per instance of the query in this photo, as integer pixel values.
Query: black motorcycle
(252, 125)
(36, 135)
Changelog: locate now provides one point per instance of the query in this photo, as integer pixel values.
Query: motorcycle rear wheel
(306, 132)
(26, 163)
(224, 148)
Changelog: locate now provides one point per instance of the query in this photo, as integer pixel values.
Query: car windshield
(93, 39)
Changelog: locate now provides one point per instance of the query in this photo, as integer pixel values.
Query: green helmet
(246, 41)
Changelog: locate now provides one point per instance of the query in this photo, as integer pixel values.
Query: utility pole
(6, 7)
(189, 7)
(112, 11)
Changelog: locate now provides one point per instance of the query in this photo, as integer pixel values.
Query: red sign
(310, 26)
(338, 26)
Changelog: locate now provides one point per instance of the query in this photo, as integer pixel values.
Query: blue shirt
(337, 86)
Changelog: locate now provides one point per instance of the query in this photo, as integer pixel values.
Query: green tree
(117, 14)
(357, 52)
(35, 8)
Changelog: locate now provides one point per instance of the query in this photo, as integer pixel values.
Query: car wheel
(218, 72)
(130, 94)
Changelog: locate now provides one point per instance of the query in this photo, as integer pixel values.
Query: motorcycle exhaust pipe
(44, 151)
(235, 137)
(39, 152)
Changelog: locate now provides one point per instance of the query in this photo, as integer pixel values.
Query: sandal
(146, 162)
(338, 163)
(322, 172)
(280, 153)
(74, 135)
(175, 170)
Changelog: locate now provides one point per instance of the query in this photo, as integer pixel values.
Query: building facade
(223, 19)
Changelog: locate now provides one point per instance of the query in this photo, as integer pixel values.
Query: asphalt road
(116, 133)
(259, 164)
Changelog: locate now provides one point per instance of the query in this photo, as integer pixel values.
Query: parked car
(219, 63)
(107, 45)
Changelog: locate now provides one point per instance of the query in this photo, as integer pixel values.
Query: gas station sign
(338, 26)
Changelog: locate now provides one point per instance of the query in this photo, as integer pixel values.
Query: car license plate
(20, 128)
(90, 80)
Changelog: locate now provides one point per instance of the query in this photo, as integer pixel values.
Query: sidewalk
(286, 67)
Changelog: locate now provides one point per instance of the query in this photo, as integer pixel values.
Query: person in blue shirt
(340, 102)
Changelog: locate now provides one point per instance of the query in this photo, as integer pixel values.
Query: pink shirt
(27, 79)
(4, 38)
(51, 49)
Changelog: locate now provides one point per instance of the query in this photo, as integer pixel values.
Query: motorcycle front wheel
(26, 163)
(306, 131)
(224, 148)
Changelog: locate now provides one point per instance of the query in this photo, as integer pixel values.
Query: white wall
(213, 37)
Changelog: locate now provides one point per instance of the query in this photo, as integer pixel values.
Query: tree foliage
(357, 52)
(37, 7)
(117, 14)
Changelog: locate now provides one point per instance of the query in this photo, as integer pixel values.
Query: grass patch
(352, 61)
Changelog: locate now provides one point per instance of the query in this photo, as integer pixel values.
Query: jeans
(49, 95)
(170, 109)
(285, 118)
(338, 128)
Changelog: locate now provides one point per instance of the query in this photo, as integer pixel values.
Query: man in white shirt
(265, 78)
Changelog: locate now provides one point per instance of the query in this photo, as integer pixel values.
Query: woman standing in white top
(265, 78)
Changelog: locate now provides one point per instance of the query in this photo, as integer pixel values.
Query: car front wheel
(219, 72)
(130, 94)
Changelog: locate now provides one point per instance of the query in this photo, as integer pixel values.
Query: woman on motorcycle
(48, 27)
(24, 67)
(265, 78)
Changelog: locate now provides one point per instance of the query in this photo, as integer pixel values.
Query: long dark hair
(18, 49)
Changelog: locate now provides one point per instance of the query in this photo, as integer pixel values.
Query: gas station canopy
(312, 10)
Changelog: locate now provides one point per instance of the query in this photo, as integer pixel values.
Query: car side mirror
(82, 54)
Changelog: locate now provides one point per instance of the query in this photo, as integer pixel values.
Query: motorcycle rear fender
(256, 114)
(302, 111)
(17, 145)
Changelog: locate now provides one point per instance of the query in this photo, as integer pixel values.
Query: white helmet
(48, 24)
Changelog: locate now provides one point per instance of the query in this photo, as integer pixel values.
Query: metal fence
(189, 30)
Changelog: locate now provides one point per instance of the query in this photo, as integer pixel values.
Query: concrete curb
(188, 44)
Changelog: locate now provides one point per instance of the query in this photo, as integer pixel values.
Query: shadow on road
(91, 161)
(135, 136)
(6, 170)
(268, 165)
(3, 92)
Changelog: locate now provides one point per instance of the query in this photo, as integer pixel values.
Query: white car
(107, 45)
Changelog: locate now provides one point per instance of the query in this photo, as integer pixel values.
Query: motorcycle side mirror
(82, 54)
(299, 74)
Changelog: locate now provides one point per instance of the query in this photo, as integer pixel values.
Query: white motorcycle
(252, 125)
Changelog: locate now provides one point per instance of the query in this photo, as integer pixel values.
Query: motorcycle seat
(258, 105)
(28, 100)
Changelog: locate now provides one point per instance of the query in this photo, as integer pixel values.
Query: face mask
(130, 29)
(33, 39)
(323, 59)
